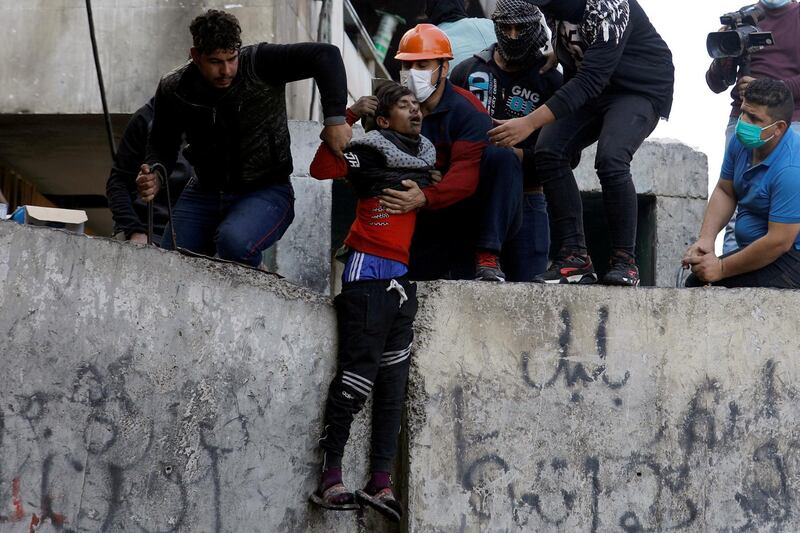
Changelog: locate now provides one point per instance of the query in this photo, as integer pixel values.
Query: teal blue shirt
(766, 192)
(468, 37)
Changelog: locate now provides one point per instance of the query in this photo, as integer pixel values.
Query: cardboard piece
(51, 217)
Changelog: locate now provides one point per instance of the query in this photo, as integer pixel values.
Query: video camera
(741, 36)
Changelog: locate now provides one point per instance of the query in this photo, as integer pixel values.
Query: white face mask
(418, 82)
(774, 4)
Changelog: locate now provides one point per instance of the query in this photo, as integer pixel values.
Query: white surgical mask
(418, 82)
(774, 4)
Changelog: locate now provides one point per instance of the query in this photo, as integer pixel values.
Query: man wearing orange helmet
(477, 205)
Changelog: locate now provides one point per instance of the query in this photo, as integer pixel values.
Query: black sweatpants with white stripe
(375, 334)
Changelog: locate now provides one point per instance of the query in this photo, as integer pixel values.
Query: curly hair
(215, 30)
(774, 95)
(388, 96)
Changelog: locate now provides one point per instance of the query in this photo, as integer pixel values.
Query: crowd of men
(488, 217)
(466, 172)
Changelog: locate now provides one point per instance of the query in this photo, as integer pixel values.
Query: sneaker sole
(623, 283)
(366, 500)
(343, 507)
(577, 279)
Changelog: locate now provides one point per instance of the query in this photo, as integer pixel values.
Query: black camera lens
(724, 44)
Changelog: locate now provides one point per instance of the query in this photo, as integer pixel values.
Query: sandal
(382, 501)
(334, 498)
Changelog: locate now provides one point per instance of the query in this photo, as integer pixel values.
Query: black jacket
(626, 56)
(373, 168)
(440, 11)
(238, 138)
(127, 208)
(508, 94)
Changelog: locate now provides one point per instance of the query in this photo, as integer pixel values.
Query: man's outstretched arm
(284, 63)
(328, 165)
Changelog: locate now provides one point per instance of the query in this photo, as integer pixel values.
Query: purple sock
(330, 477)
(378, 481)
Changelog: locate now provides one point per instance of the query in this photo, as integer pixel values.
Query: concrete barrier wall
(148, 391)
(598, 409)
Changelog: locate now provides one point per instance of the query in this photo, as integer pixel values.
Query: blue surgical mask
(774, 4)
(750, 134)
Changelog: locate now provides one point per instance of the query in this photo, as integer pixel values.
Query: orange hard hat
(424, 41)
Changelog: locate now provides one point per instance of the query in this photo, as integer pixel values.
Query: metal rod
(150, 222)
(98, 69)
(169, 212)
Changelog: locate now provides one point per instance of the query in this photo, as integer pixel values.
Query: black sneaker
(622, 271)
(487, 268)
(489, 273)
(570, 269)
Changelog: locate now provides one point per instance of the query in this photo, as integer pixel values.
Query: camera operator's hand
(365, 106)
(741, 85)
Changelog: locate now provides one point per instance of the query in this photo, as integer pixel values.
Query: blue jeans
(445, 240)
(235, 226)
(525, 255)
(729, 243)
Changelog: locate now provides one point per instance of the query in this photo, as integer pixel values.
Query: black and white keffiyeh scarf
(527, 46)
(603, 21)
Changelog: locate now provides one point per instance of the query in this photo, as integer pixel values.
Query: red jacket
(458, 128)
(374, 231)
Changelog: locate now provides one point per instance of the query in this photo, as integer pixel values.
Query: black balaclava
(440, 11)
(526, 48)
(569, 10)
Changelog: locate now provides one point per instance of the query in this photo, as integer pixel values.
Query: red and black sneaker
(622, 271)
(569, 269)
(487, 267)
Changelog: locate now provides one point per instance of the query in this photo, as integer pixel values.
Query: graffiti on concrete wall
(664, 486)
(124, 466)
